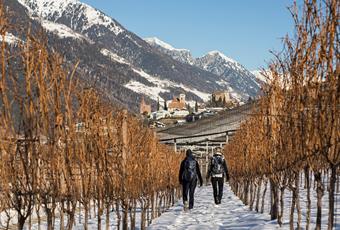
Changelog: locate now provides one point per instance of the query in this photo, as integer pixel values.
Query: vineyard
(293, 137)
(64, 149)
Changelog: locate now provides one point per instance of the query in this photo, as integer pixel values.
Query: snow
(155, 80)
(10, 39)
(218, 53)
(95, 17)
(49, 10)
(150, 91)
(162, 85)
(230, 214)
(303, 202)
(78, 225)
(61, 30)
(180, 113)
(181, 55)
(157, 41)
(45, 8)
(233, 214)
(202, 95)
(114, 56)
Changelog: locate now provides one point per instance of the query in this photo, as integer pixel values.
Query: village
(179, 111)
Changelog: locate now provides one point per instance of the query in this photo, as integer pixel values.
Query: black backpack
(217, 165)
(189, 172)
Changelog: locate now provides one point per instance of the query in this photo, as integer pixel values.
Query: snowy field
(233, 214)
(230, 214)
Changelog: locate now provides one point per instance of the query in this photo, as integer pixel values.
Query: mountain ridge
(239, 81)
(117, 61)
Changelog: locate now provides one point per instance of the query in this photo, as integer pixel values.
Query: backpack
(189, 172)
(217, 165)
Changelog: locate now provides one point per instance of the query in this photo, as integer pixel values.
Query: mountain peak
(229, 73)
(220, 54)
(56, 9)
(157, 41)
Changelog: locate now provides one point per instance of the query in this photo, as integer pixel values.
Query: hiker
(217, 170)
(188, 174)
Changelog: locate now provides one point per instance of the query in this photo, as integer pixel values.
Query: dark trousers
(189, 187)
(217, 183)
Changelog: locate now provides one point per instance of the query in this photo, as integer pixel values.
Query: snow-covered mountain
(121, 63)
(182, 55)
(239, 81)
(231, 75)
(115, 60)
(80, 16)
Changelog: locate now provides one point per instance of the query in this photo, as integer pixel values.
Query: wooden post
(175, 144)
(207, 159)
(207, 147)
(124, 156)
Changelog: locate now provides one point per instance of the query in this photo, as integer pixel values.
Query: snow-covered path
(231, 214)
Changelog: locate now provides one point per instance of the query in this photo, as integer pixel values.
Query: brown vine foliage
(61, 143)
(296, 125)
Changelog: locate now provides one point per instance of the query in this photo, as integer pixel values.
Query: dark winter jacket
(182, 168)
(224, 165)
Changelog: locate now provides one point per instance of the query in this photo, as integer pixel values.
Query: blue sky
(244, 30)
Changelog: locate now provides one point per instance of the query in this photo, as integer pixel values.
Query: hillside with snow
(230, 214)
(122, 65)
(82, 16)
(113, 58)
(230, 74)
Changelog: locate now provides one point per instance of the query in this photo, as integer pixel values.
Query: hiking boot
(186, 205)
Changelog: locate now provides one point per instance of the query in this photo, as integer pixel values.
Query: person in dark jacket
(217, 170)
(189, 173)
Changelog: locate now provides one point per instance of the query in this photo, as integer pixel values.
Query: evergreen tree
(165, 107)
(196, 107)
(213, 99)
